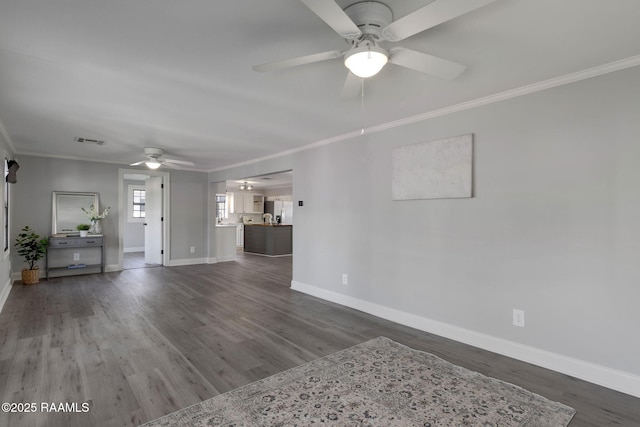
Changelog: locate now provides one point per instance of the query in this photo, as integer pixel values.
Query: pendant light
(245, 186)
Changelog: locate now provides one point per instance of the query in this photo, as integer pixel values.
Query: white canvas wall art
(438, 169)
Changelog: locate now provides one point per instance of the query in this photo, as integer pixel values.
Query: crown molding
(566, 79)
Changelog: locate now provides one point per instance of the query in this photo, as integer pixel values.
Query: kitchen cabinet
(240, 236)
(248, 203)
(226, 242)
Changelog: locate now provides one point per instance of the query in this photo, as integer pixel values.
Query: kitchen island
(266, 239)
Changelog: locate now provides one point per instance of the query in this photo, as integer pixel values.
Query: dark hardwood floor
(141, 343)
(135, 260)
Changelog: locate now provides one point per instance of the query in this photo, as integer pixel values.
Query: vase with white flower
(94, 215)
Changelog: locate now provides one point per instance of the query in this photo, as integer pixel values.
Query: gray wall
(39, 176)
(189, 214)
(553, 228)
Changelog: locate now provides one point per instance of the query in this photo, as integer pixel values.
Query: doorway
(275, 190)
(143, 226)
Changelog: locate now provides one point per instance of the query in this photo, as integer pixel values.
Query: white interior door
(153, 238)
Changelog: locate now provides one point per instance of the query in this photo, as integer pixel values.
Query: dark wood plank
(142, 343)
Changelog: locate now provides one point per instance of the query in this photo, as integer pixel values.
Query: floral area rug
(377, 383)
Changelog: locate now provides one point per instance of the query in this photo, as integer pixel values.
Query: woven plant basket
(30, 277)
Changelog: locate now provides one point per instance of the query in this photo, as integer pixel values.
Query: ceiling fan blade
(352, 87)
(294, 62)
(137, 163)
(334, 16)
(429, 16)
(179, 162)
(425, 63)
(170, 165)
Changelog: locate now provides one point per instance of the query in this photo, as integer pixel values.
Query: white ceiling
(177, 74)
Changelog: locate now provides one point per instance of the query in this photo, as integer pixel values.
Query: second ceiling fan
(366, 24)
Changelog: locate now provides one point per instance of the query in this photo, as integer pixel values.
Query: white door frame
(123, 211)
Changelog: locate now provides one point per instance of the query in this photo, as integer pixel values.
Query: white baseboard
(133, 249)
(188, 261)
(624, 382)
(226, 258)
(4, 292)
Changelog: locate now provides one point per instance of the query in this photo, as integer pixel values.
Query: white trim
(133, 249)
(624, 382)
(4, 294)
(142, 169)
(632, 61)
(166, 212)
(187, 261)
(224, 259)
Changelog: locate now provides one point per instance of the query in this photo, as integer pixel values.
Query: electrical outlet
(193, 249)
(76, 256)
(518, 318)
(345, 279)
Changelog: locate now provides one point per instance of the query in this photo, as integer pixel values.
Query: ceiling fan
(366, 24)
(155, 159)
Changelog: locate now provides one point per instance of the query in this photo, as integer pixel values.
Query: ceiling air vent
(89, 141)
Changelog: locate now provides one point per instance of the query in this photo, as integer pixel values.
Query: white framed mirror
(67, 211)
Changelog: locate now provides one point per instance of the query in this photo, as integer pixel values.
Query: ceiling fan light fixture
(152, 164)
(366, 61)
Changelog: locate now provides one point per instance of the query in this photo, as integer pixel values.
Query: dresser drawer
(62, 242)
(89, 241)
(77, 242)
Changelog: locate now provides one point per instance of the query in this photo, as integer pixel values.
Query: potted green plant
(83, 229)
(31, 247)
